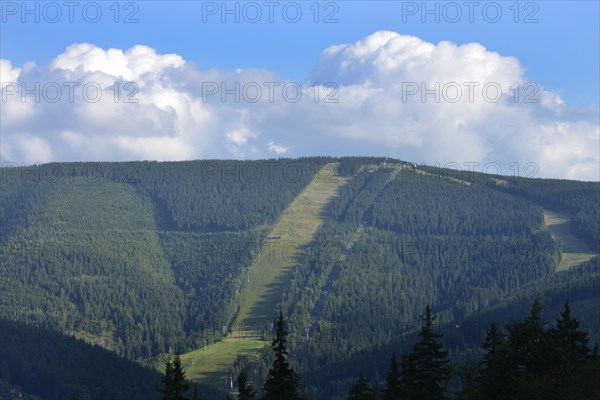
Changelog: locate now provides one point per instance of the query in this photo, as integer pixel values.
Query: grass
(269, 276)
(574, 251)
(212, 364)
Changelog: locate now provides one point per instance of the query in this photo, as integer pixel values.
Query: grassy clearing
(574, 251)
(212, 364)
(269, 275)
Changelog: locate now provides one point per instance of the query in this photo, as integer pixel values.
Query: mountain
(147, 258)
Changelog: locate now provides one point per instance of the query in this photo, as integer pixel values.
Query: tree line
(524, 360)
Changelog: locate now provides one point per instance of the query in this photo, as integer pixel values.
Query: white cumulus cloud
(387, 94)
(8, 73)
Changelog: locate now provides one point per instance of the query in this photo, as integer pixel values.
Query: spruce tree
(528, 344)
(552, 364)
(179, 384)
(167, 380)
(361, 390)
(407, 378)
(570, 345)
(496, 376)
(392, 383)
(174, 385)
(470, 388)
(533, 363)
(282, 381)
(427, 368)
(245, 389)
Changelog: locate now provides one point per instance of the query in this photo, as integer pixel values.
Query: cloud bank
(387, 94)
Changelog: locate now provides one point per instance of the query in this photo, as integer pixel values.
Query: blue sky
(181, 45)
(561, 50)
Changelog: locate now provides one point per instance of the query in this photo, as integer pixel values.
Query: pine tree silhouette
(527, 344)
(425, 371)
(173, 380)
(570, 345)
(282, 381)
(496, 380)
(392, 383)
(361, 390)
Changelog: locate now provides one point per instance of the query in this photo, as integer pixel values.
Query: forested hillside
(53, 366)
(142, 258)
(146, 259)
(88, 260)
(581, 199)
(465, 245)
